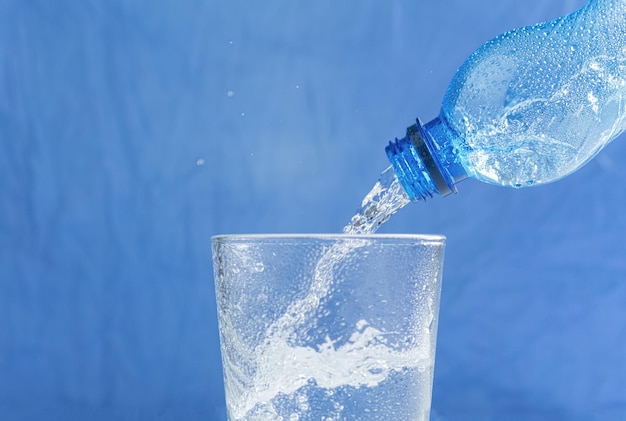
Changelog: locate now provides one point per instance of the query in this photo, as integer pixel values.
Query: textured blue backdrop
(133, 130)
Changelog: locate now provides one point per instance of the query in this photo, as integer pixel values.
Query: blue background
(131, 131)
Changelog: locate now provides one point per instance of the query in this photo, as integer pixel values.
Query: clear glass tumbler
(328, 327)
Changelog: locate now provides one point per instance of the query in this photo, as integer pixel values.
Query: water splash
(364, 361)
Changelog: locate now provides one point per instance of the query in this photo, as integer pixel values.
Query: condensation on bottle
(528, 107)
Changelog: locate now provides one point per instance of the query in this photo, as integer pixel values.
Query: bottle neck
(424, 161)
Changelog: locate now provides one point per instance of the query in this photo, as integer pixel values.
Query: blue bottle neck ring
(417, 166)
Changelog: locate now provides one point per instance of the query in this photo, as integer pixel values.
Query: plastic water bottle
(528, 107)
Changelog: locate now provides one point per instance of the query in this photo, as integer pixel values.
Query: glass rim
(431, 238)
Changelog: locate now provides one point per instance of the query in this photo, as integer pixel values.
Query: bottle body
(534, 104)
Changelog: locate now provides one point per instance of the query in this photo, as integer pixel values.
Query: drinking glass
(328, 327)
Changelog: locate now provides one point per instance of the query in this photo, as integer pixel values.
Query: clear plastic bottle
(528, 107)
